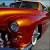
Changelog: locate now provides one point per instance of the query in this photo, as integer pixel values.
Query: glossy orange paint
(27, 20)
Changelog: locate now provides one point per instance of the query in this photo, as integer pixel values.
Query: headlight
(14, 27)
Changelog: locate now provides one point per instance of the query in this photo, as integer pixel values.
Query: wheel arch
(40, 30)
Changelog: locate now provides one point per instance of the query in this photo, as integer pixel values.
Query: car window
(19, 4)
(24, 5)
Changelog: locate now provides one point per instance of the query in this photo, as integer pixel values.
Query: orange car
(22, 24)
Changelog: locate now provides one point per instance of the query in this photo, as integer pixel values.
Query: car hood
(10, 14)
(9, 11)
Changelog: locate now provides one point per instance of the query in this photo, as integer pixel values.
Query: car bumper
(27, 48)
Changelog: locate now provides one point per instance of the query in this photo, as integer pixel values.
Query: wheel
(36, 34)
(3, 39)
(40, 31)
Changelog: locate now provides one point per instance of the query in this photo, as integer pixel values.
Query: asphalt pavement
(44, 41)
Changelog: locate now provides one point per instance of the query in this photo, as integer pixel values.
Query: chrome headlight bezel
(14, 27)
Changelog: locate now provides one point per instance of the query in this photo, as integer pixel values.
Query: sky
(6, 1)
(45, 2)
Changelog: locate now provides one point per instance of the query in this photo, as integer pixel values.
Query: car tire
(36, 34)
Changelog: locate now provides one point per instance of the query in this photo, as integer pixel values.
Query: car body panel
(27, 20)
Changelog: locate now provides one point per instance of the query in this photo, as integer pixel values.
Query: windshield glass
(18, 4)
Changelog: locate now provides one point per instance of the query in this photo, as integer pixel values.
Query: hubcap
(35, 36)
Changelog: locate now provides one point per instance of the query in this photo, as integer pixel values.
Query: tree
(3, 4)
(48, 9)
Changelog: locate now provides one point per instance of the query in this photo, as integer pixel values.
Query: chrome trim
(34, 41)
(34, 37)
(27, 48)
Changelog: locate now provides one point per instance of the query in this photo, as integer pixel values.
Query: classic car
(22, 24)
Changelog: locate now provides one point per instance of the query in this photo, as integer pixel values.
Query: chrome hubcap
(35, 36)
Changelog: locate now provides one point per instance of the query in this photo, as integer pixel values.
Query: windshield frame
(21, 4)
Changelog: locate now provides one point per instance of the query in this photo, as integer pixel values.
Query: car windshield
(17, 4)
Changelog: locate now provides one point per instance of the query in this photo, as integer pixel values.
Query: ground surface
(43, 43)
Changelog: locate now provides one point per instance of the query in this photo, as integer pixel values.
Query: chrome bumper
(27, 48)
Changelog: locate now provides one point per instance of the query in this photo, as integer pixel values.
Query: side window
(35, 5)
(42, 7)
